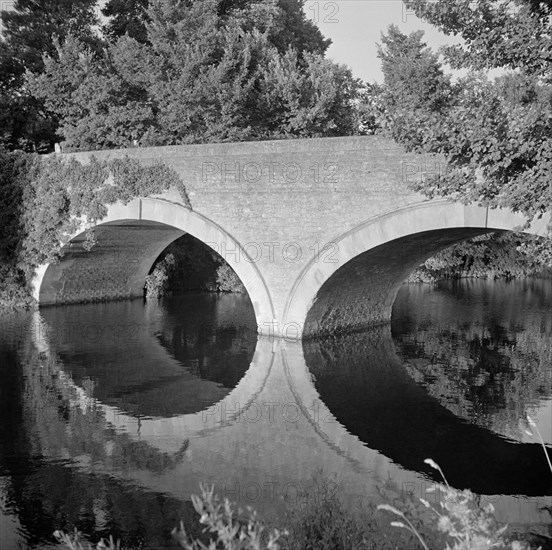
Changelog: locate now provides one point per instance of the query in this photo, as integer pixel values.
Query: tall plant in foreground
(73, 542)
(470, 526)
(231, 528)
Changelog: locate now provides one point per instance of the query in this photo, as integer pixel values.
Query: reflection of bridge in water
(360, 378)
(284, 419)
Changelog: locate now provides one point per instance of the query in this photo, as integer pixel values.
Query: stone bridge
(322, 232)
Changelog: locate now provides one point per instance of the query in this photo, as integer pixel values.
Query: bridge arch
(356, 285)
(130, 238)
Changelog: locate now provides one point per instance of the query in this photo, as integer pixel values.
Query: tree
(98, 105)
(200, 77)
(28, 34)
(416, 92)
(126, 17)
(495, 135)
(510, 34)
(291, 27)
(413, 74)
(30, 27)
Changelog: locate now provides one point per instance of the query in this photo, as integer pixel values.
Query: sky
(356, 25)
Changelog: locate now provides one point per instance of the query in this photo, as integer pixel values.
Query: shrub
(467, 525)
(157, 281)
(231, 528)
(227, 280)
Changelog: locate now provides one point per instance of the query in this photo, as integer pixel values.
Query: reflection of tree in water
(57, 467)
(220, 355)
(50, 496)
(74, 427)
(491, 372)
(213, 336)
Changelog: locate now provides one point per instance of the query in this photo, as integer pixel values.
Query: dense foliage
(126, 17)
(207, 71)
(514, 34)
(46, 200)
(130, 17)
(496, 135)
(207, 62)
(29, 32)
(498, 255)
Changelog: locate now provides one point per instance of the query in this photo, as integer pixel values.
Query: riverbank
(491, 256)
(427, 276)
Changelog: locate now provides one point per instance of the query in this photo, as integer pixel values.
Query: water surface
(111, 414)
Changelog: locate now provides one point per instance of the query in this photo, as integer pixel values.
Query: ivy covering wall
(44, 200)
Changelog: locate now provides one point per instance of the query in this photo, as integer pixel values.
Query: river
(112, 414)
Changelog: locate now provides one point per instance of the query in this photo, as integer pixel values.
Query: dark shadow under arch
(361, 292)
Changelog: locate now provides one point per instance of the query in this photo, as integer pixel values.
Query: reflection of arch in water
(356, 286)
(358, 455)
(150, 361)
(167, 434)
(363, 383)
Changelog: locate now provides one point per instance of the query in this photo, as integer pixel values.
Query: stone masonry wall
(113, 270)
(285, 201)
